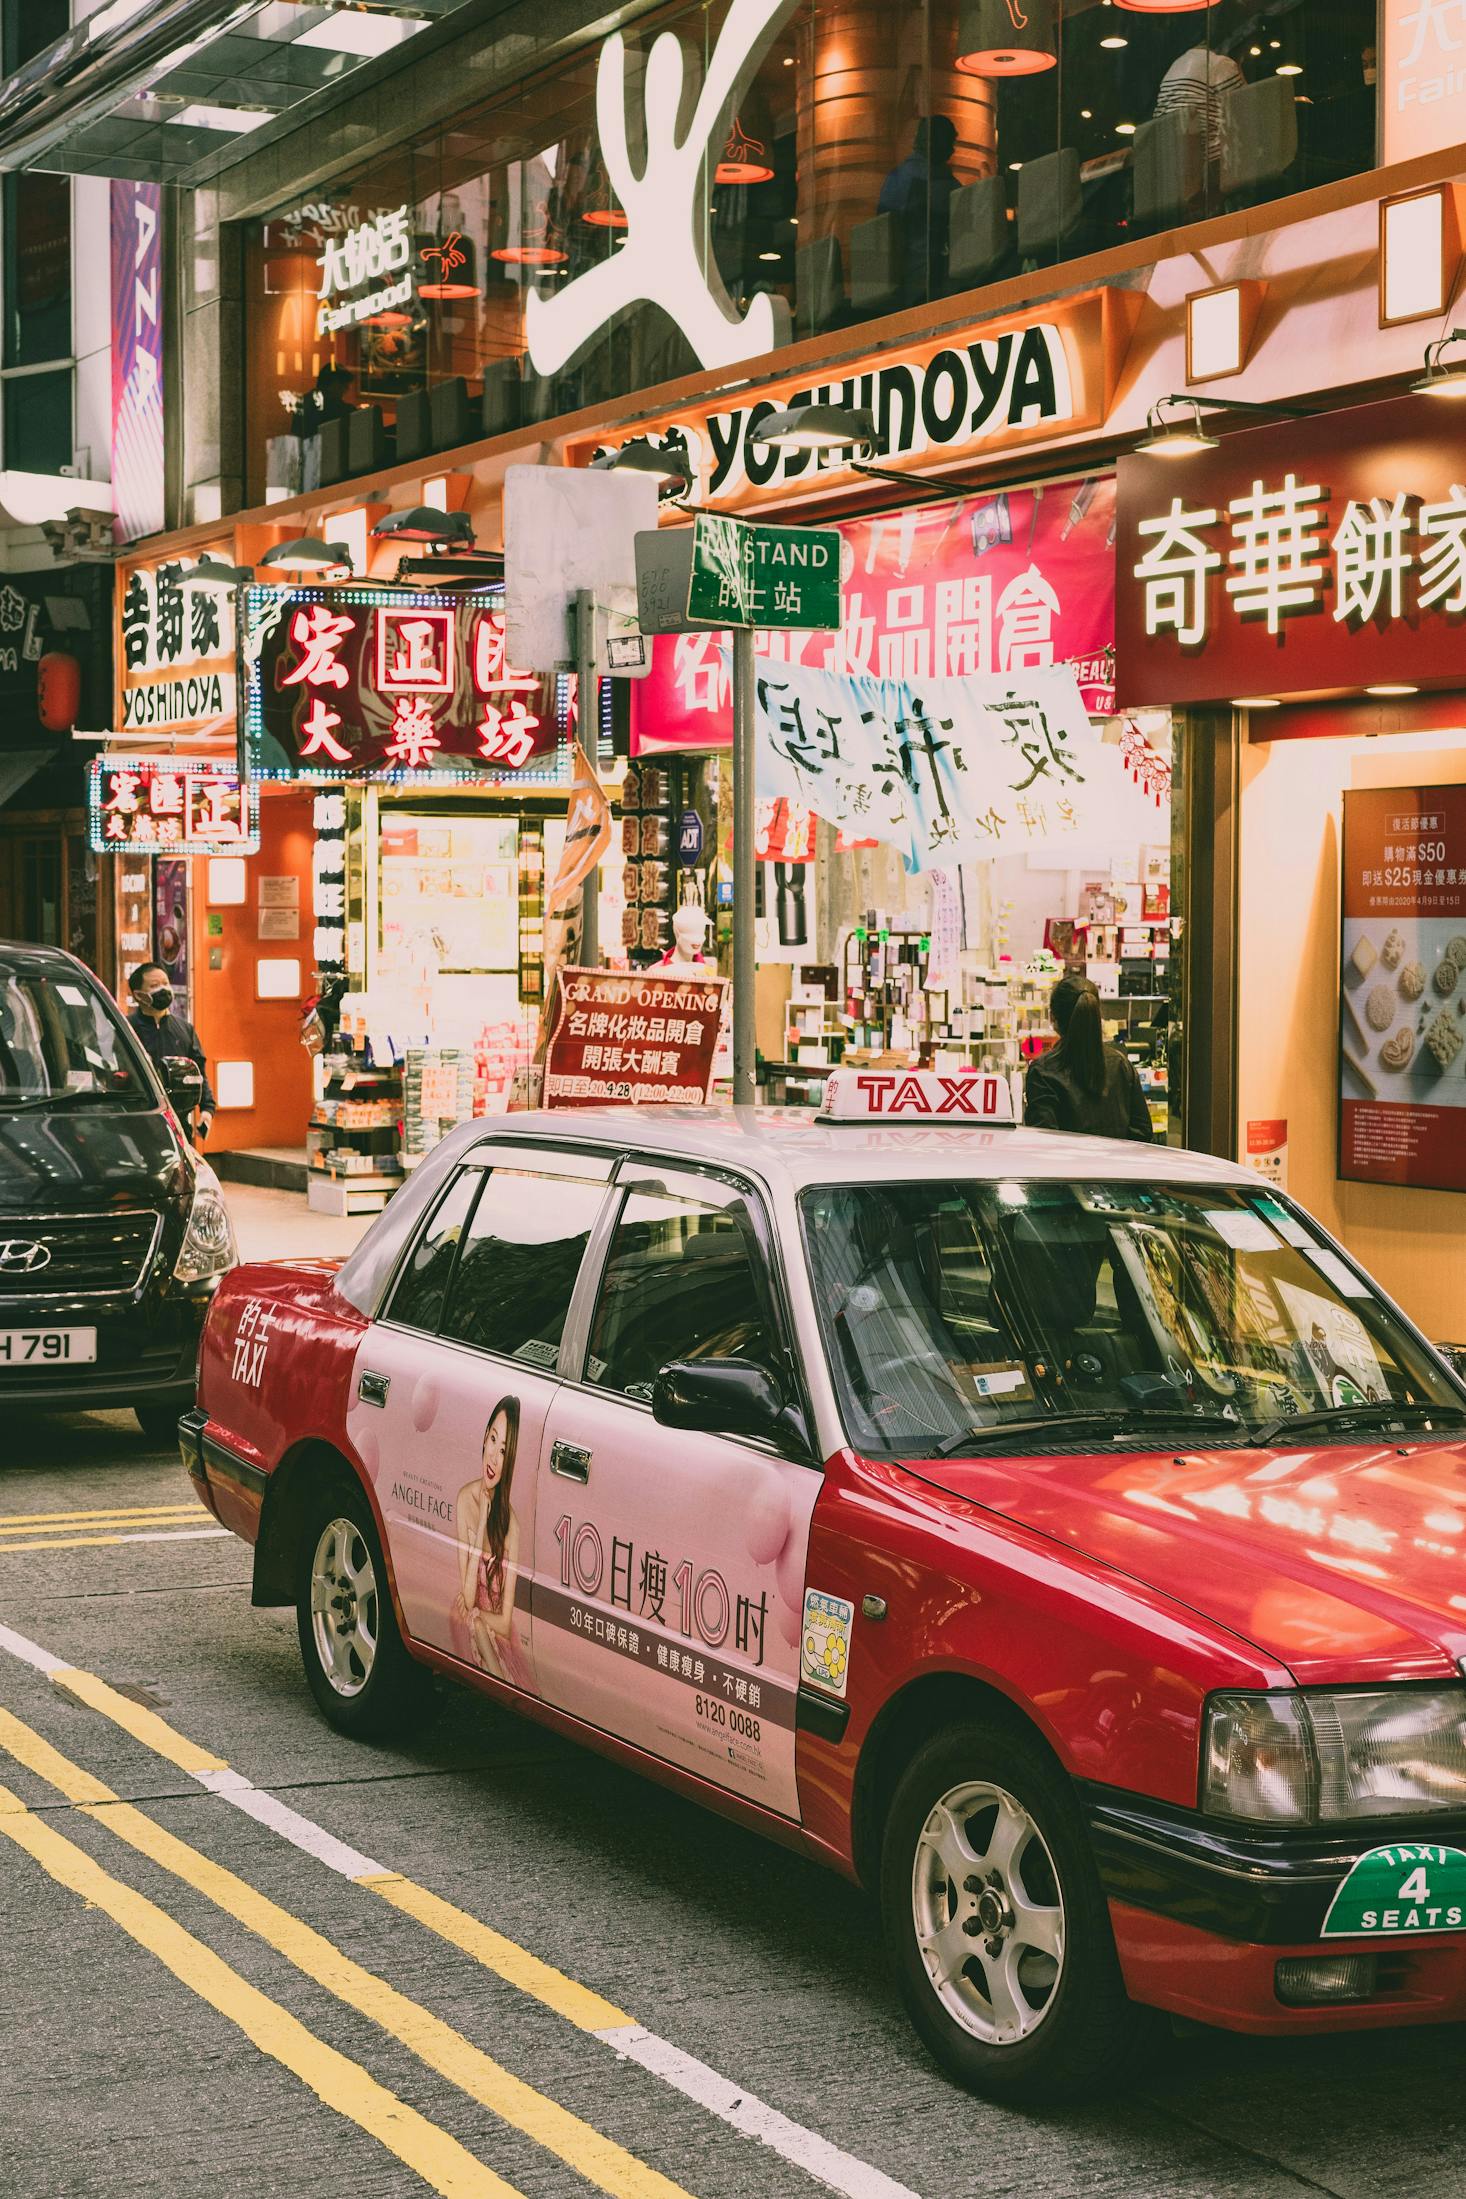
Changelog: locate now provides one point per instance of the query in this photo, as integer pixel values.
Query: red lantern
(58, 691)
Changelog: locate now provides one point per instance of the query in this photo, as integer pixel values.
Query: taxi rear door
(669, 1565)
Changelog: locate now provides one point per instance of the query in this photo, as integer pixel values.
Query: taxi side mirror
(720, 1397)
(182, 1082)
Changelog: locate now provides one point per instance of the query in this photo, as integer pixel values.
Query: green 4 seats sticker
(1410, 1887)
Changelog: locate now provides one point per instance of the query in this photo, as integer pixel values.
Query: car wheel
(356, 1664)
(159, 1423)
(996, 1923)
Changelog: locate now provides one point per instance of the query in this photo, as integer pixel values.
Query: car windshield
(983, 1315)
(59, 1038)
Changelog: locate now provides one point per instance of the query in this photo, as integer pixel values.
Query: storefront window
(868, 160)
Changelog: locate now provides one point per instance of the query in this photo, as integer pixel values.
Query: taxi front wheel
(996, 1923)
(357, 1668)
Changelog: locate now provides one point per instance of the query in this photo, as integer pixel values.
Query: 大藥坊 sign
(171, 805)
(1317, 558)
(349, 685)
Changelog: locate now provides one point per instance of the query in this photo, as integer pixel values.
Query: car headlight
(1328, 1756)
(208, 1246)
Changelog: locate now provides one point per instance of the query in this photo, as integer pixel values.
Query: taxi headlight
(1330, 1756)
(208, 1246)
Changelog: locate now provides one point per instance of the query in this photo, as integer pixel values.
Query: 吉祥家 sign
(643, 1037)
(1326, 555)
(175, 649)
(171, 805)
(346, 684)
(1402, 1007)
(764, 576)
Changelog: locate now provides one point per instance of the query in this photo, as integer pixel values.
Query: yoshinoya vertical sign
(175, 650)
(1402, 1009)
(137, 359)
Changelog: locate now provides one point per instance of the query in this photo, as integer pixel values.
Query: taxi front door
(669, 1566)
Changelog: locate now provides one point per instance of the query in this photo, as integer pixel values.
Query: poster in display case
(1402, 992)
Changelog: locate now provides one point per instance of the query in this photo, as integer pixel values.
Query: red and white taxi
(1064, 1538)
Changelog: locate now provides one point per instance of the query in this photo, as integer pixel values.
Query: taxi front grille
(76, 1255)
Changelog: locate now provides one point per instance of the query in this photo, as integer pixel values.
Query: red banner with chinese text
(1010, 583)
(342, 685)
(645, 1037)
(1402, 1115)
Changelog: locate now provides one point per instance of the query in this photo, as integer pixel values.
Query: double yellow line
(440, 2160)
(117, 1523)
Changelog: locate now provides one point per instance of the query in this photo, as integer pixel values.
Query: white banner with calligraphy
(947, 770)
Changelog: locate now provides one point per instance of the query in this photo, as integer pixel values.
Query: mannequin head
(689, 930)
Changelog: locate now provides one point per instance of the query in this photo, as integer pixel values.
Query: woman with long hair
(488, 1555)
(1083, 1083)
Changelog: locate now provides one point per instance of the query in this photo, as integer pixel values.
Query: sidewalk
(278, 1225)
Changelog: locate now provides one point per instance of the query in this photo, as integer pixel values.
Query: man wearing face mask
(162, 1033)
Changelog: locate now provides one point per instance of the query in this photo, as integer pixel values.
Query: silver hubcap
(344, 1607)
(988, 1912)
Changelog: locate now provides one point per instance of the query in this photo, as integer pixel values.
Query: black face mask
(159, 997)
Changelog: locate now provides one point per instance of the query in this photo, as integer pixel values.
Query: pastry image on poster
(1402, 993)
(482, 1618)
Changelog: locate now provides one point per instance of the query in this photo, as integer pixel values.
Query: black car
(113, 1235)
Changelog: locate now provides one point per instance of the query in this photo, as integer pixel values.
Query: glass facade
(877, 155)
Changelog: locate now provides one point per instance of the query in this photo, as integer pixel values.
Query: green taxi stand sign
(744, 575)
(1412, 1886)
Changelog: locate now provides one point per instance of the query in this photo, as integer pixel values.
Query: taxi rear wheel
(356, 1666)
(996, 1923)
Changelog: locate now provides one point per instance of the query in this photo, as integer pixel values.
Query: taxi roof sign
(917, 1095)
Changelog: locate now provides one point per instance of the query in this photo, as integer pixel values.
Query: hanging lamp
(1006, 38)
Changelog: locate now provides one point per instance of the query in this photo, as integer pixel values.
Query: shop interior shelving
(356, 1165)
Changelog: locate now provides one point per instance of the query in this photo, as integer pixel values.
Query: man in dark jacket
(162, 1033)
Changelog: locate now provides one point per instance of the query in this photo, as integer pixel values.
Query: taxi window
(682, 1281)
(417, 1301)
(521, 1255)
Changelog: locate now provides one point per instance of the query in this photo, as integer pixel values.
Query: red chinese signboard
(1015, 582)
(648, 1037)
(171, 805)
(346, 683)
(1317, 558)
(1402, 1015)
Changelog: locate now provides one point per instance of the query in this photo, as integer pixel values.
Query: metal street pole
(589, 728)
(744, 834)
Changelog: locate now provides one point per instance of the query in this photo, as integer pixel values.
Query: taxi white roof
(794, 1146)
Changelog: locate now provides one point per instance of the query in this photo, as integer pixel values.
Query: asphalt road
(194, 1999)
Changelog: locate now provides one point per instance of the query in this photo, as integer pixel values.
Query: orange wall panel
(232, 1023)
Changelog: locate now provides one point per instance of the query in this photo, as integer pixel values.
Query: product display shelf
(355, 1137)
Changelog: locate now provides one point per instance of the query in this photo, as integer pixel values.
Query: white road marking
(742, 2110)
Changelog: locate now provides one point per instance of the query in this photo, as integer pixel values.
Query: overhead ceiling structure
(172, 91)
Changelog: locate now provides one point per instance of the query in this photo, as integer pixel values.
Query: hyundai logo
(22, 1256)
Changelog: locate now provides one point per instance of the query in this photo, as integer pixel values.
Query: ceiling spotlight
(817, 427)
(670, 464)
(426, 524)
(1256, 702)
(1392, 687)
(309, 555)
(208, 571)
(1440, 380)
(1182, 437)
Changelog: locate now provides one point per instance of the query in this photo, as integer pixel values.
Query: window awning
(171, 91)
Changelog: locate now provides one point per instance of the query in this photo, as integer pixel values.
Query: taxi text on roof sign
(909, 1095)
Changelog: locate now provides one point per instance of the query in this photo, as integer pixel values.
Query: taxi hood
(1345, 1563)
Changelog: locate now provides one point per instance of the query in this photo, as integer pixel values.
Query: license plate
(47, 1347)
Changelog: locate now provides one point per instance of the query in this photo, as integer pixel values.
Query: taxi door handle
(570, 1461)
(372, 1388)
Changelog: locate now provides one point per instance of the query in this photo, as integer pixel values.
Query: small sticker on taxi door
(824, 1650)
(1413, 1886)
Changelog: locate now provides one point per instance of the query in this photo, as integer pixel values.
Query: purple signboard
(137, 359)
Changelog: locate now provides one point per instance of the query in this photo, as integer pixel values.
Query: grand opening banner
(1402, 1012)
(1008, 584)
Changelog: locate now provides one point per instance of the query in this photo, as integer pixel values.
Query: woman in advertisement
(488, 1555)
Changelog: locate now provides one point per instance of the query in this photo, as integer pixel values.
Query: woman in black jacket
(1082, 1084)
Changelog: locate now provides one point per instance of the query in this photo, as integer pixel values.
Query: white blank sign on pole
(566, 529)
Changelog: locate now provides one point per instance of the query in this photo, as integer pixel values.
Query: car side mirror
(723, 1397)
(182, 1082)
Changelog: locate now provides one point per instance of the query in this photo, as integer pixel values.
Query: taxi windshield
(960, 1314)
